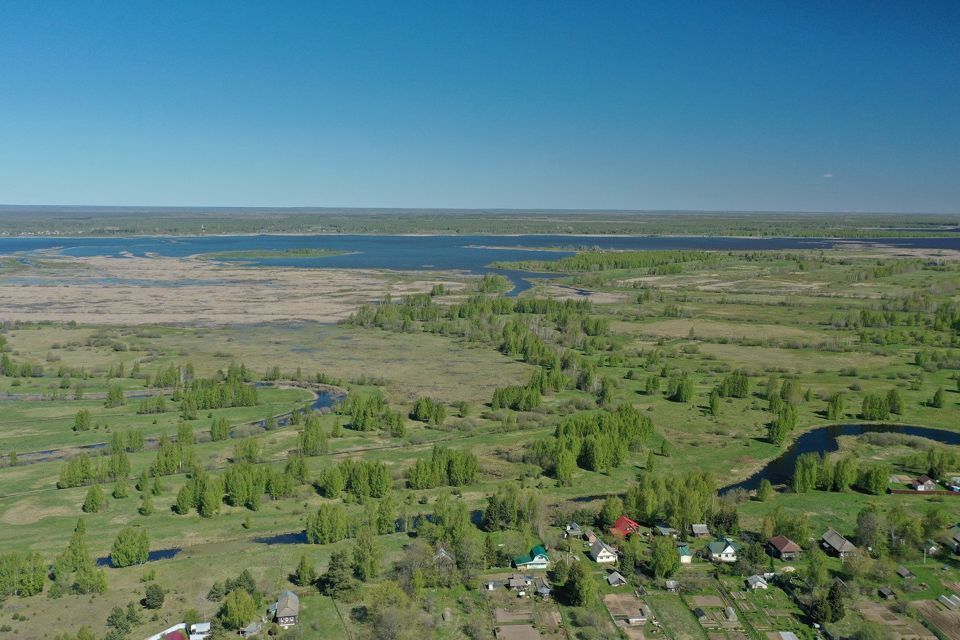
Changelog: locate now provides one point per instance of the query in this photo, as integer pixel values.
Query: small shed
(518, 581)
(886, 593)
(543, 588)
(756, 582)
(730, 614)
(905, 573)
(616, 580)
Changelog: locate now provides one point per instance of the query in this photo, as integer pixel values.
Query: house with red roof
(624, 526)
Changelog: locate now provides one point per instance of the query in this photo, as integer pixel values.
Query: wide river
(405, 253)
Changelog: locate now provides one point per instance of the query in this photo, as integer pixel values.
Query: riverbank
(821, 439)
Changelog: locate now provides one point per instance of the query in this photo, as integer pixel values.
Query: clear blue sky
(766, 105)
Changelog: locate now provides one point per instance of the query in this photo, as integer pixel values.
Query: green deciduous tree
(581, 588)
(115, 397)
(895, 401)
(305, 575)
(327, 525)
(220, 429)
(939, 398)
(74, 570)
(313, 438)
(815, 574)
(611, 510)
(94, 500)
(875, 407)
(82, 421)
(664, 557)
(367, 556)
(130, 547)
(146, 505)
(835, 407)
(566, 466)
(764, 491)
(238, 609)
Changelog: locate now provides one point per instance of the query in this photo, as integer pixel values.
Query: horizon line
(199, 209)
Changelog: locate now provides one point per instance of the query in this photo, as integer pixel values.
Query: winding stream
(824, 440)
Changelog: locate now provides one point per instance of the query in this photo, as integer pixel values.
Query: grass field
(829, 324)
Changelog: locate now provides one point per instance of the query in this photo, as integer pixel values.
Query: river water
(413, 253)
(824, 440)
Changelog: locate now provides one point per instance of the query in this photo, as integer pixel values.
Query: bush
(154, 596)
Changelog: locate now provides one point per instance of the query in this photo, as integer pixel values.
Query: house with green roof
(536, 559)
(724, 550)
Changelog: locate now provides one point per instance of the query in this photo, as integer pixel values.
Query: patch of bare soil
(947, 622)
(561, 292)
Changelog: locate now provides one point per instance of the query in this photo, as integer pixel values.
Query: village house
(835, 544)
(699, 531)
(783, 547)
(722, 551)
(665, 530)
(286, 610)
(444, 559)
(923, 483)
(536, 559)
(602, 553)
(573, 530)
(623, 527)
